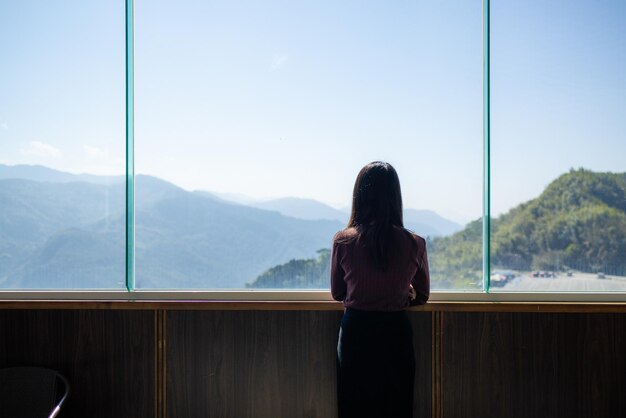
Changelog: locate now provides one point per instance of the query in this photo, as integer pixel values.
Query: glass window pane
(62, 145)
(254, 118)
(558, 145)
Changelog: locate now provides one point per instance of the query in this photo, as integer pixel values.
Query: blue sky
(274, 98)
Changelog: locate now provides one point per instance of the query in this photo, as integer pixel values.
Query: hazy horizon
(257, 100)
(230, 196)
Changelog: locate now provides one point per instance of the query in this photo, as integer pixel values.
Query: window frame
(294, 295)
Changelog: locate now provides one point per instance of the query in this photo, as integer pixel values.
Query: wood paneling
(251, 364)
(265, 364)
(423, 343)
(534, 365)
(281, 363)
(106, 356)
(436, 366)
(160, 364)
(269, 305)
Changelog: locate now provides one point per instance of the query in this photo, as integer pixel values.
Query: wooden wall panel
(264, 364)
(534, 365)
(106, 356)
(251, 364)
(422, 342)
(247, 363)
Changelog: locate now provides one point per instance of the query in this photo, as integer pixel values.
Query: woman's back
(361, 284)
(378, 268)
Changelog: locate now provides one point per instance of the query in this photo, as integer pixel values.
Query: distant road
(579, 282)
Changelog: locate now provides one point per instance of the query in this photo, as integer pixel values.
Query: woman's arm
(337, 282)
(421, 280)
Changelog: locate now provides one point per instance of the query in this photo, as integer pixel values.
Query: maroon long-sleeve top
(356, 281)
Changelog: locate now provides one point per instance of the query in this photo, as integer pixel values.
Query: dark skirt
(375, 365)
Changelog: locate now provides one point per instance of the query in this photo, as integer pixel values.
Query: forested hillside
(578, 222)
(311, 273)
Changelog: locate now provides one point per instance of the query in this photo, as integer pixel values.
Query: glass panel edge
(130, 143)
(487, 151)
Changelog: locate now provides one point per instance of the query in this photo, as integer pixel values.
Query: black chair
(31, 392)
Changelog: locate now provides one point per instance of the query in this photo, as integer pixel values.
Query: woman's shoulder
(413, 237)
(418, 238)
(345, 235)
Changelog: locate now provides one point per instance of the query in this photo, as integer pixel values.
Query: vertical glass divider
(486, 150)
(130, 145)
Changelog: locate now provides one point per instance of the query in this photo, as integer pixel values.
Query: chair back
(31, 392)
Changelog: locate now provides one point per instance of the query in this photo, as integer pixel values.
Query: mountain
(312, 273)
(40, 223)
(45, 174)
(423, 222)
(427, 223)
(189, 240)
(71, 235)
(303, 209)
(578, 222)
(62, 230)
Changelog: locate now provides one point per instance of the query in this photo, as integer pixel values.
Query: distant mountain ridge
(45, 174)
(423, 222)
(62, 230)
(195, 241)
(70, 234)
(47, 228)
(578, 222)
(427, 223)
(303, 208)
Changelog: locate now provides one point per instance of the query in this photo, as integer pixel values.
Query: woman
(378, 269)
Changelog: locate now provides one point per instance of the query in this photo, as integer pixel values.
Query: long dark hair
(376, 209)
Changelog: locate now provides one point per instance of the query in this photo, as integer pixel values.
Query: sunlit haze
(272, 99)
